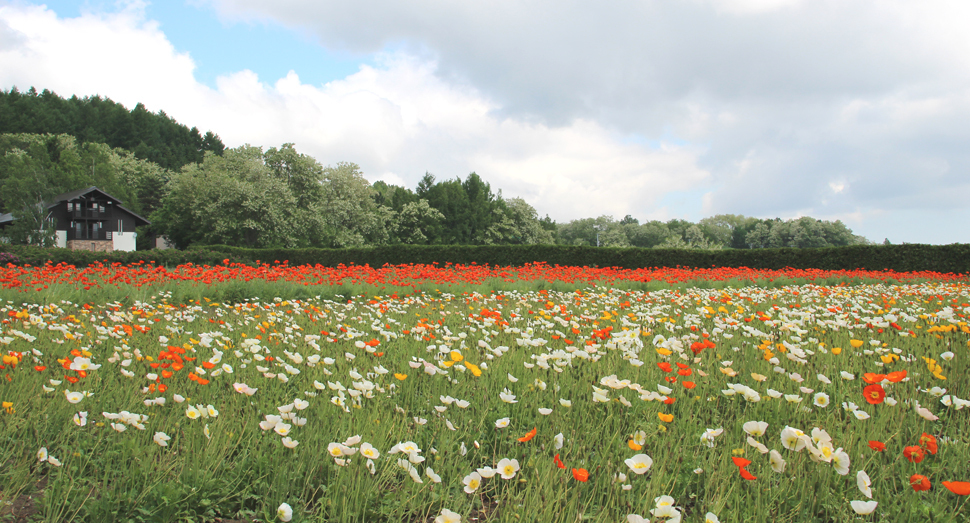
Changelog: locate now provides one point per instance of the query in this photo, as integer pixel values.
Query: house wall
(124, 241)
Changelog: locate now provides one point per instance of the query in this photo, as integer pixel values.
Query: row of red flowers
(141, 274)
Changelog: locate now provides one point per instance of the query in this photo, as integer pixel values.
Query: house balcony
(87, 214)
(73, 234)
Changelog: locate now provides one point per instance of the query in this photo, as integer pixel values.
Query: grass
(242, 472)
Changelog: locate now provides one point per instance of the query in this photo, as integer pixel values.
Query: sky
(851, 110)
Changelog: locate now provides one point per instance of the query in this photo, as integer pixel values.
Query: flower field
(425, 393)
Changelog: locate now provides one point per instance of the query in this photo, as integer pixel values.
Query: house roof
(8, 218)
(84, 192)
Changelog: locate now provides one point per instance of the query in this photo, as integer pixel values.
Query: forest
(195, 191)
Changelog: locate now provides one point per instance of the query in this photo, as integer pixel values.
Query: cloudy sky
(857, 110)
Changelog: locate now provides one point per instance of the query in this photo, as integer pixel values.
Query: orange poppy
(874, 393)
(633, 445)
(581, 475)
(960, 488)
(688, 384)
(747, 475)
(741, 462)
(928, 443)
(914, 454)
(558, 462)
(870, 377)
(896, 376)
(529, 435)
(877, 446)
(919, 482)
(665, 366)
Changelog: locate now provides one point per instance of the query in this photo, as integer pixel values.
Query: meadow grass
(313, 342)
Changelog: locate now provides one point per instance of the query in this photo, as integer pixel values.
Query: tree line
(155, 137)
(277, 197)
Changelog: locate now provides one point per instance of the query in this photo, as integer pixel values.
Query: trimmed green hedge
(953, 258)
(37, 256)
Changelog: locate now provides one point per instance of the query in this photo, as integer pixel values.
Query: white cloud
(397, 120)
(872, 93)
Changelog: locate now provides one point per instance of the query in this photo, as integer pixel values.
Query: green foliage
(31, 227)
(155, 137)
(34, 168)
(716, 232)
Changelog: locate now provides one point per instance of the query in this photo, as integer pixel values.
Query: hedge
(954, 258)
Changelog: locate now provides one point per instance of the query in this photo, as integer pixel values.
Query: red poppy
(877, 446)
(581, 475)
(871, 377)
(960, 488)
(874, 393)
(747, 475)
(40, 368)
(558, 462)
(928, 443)
(919, 482)
(914, 454)
(529, 435)
(665, 366)
(688, 384)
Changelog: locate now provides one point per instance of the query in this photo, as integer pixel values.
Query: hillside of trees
(155, 137)
(195, 191)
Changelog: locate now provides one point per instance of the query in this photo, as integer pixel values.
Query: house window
(70, 206)
(121, 226)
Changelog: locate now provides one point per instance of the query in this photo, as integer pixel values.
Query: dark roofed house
(91, 220)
